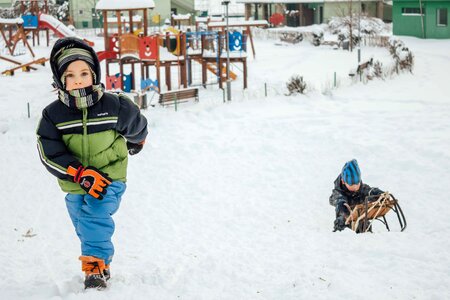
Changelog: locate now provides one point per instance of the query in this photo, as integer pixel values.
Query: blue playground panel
(127, 82)
(148, 83)
(30, 21)
(235, 41)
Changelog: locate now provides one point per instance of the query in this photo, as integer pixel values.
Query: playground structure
(199, 58)
(179, 20)
(12, 32)
(34, 19)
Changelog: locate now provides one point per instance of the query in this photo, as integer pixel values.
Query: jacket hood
(66, 43)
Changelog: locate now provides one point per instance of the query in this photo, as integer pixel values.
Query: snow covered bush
(317, 38)
(369, 25)
(296, 85)
(7, 13)
(378, 69)
(403, 57)
(374, 70)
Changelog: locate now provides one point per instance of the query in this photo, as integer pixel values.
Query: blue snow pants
(93, 222)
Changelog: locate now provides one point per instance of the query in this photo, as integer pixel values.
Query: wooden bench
(291, 37)
(178, 96)
(361, 67)
(364, 65)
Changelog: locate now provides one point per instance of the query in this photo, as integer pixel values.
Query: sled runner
(374, 208)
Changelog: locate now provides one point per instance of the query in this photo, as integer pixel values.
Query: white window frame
(413, 14)
(438, 10)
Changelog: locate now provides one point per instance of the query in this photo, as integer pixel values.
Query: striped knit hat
(67, 56)
(351, 173)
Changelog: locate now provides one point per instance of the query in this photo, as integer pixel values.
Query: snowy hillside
(230, 201)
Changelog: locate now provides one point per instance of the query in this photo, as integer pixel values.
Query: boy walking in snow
(84, 139)
(349, 190)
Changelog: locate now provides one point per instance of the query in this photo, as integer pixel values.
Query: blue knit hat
(351, 173)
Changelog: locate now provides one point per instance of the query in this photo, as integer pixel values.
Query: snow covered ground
(230, 201)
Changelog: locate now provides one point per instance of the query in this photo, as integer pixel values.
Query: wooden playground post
(131, 20)
(145, 22)
(183, 53)
(249, 33)
(119, 33)
(133, 82)
(105, 30)
(244, 63)
(158, 64)
(219, 53)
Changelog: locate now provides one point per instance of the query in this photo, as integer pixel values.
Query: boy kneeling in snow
(84, 139)
(349, 191)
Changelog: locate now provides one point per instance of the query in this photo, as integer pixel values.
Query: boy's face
(352, 188)
(78, 75)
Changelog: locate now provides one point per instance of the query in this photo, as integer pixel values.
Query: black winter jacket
(341, 195)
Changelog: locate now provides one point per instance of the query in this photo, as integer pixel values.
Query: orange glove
(92, 180)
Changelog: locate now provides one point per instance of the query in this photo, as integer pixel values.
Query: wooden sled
(374, 208)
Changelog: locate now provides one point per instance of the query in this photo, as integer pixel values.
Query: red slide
(61, 30)
(102, 55)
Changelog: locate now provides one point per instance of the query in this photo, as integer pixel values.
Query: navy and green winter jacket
(94, 136)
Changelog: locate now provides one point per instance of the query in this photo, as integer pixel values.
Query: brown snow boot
(94, 269)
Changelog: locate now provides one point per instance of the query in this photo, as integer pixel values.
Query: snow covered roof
(124, 19)
(295, 1)
(11, 21)
(215, 7)
(277, 1)
(181, 17)
(121, 4)
(209, 19)
(233, 23)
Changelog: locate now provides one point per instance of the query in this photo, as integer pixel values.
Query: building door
(320, 14)
(292, 17)
(308, 14)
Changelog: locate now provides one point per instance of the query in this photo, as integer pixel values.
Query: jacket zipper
(85, 145)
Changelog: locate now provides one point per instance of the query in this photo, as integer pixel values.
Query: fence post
(176, 109)
(334, 79)
(265, 89)
(28, 109)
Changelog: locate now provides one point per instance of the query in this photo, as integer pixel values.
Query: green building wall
(184, 6)
(162, 8)
(5, 3)
(432, 30)
(82, 13)
(406, 25)
(412, 25)
(341, 9)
